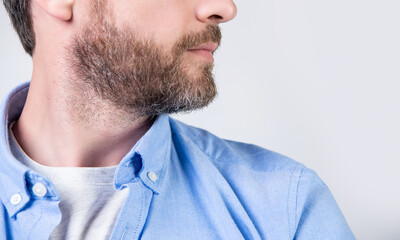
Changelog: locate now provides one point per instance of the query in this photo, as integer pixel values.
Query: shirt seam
(40, 218)
(297, 199)
(122, 216)
(140, 214)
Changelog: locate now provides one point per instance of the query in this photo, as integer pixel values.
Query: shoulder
(249, 156)
(298, 201)
(238, 161)
(256, 176)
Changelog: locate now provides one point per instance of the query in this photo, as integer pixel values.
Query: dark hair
(21, 18)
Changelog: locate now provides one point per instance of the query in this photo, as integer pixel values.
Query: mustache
(211, 33)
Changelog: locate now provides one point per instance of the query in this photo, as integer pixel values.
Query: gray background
(315, 80)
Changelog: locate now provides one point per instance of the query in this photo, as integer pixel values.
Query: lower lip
(205, 53)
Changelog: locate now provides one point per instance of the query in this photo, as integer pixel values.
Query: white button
(153, 176)
(39, 189)
(15, 199)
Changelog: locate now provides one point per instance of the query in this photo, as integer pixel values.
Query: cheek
(162, 21)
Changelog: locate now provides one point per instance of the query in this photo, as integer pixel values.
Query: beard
(137, 75)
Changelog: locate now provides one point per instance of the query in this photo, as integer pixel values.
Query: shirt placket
(134, 213)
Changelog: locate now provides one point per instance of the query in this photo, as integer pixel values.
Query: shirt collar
(147, 159)
(13, 174)
(145, 162)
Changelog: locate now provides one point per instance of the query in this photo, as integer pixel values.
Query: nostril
(216, 18)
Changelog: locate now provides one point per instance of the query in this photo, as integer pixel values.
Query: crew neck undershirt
(89, 202)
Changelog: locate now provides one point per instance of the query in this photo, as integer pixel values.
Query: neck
(66, 127)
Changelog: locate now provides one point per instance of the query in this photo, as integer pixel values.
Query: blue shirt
(184, 183)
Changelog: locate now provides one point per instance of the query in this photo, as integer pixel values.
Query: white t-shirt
(89, 202)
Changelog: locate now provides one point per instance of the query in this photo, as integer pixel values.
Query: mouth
(205, 50)
(210, 46)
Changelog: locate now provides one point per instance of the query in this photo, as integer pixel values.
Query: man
(88, 150)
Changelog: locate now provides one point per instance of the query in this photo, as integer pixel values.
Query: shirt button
(15, 199)
(152, 176)
(39, 189)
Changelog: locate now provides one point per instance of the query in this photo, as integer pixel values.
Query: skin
(48, 130)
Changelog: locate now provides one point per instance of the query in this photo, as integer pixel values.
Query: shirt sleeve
(317, 213)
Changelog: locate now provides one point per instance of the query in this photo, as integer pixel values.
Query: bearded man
(88, 150)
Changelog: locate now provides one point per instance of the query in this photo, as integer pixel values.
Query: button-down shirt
(184, 183)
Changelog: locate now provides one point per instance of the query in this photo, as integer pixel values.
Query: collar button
(15, 199)
(152, 176)
(39, 189)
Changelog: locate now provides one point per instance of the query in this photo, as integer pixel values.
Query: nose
(215, 11)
